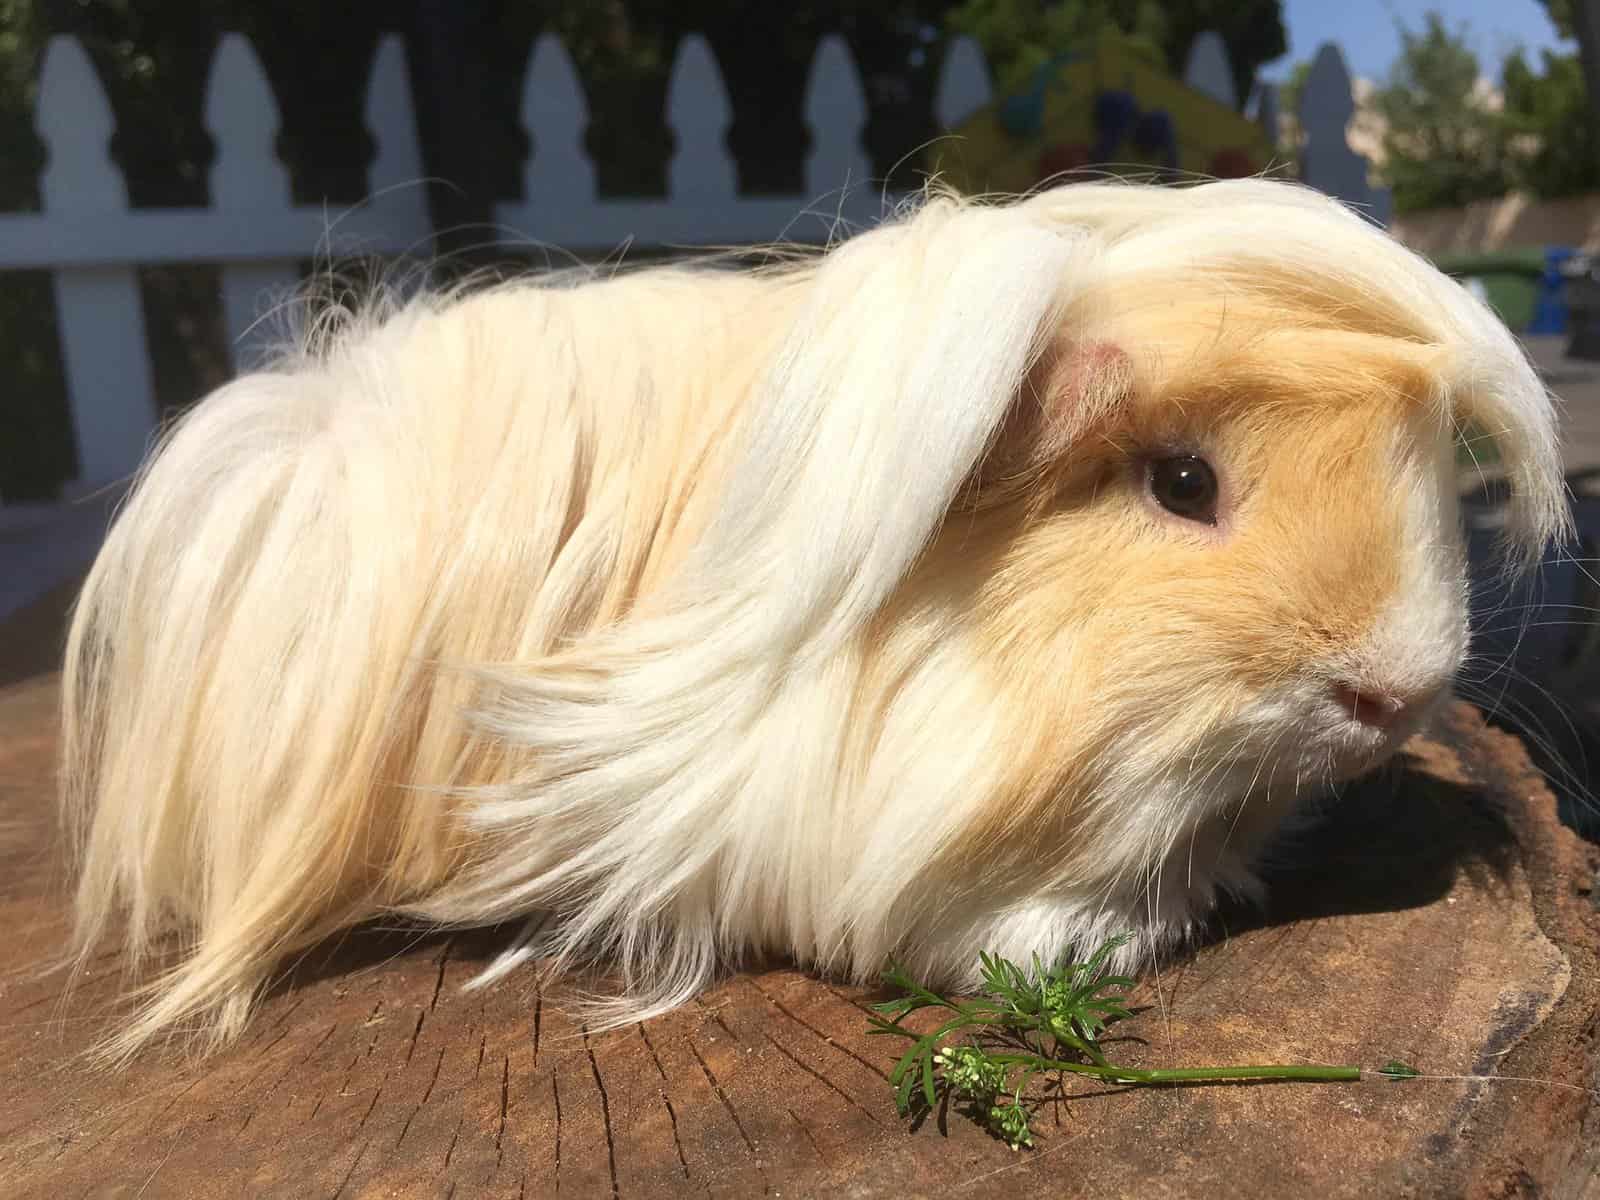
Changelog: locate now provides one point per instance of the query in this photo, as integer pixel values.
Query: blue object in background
(1550, 309)
(1115, 115)
(1156, 138)
(1022, 114)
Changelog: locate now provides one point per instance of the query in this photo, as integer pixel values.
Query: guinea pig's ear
(898, 377)
(1072, 387)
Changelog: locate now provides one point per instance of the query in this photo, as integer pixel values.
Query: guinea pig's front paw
(1167, 910)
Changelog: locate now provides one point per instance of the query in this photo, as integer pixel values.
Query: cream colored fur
(667, 608)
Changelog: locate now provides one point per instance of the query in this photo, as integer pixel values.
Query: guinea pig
(999, 579)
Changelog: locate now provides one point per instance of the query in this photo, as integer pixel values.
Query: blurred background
(171, 169)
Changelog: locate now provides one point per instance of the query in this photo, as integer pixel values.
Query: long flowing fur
(643, 604)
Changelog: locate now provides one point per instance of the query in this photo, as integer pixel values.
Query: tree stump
(1439, 914)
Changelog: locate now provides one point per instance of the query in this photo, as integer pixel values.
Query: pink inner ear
(1070, 389)
(1092, 378)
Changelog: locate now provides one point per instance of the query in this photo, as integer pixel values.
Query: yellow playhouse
(1113, 107)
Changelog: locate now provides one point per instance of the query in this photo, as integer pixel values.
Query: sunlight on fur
(820, 610)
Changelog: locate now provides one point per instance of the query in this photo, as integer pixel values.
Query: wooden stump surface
(1440, 915)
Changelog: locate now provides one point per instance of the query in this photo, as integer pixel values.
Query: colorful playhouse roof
(1112, 106)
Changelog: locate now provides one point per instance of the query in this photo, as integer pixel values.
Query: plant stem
(1136, 1075)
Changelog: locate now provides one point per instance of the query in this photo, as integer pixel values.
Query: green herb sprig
(1027, 1022)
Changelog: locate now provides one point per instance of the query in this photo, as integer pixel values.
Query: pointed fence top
(964, 83)
(696, 97)
(388, 117)
(242, 116)
(75, 121)
(834, 96)
(1208, 70)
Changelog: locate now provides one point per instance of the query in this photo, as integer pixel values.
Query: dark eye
(1185, 486)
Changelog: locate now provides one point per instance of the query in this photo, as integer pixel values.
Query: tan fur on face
(1147, 612)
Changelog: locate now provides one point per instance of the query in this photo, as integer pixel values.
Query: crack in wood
(168, 1105)
(321, 1041)
(721, 1095)
(412, 1115)
(451, 1148)
(812, 1029)
(855, 1004)
(286, 1014)
(505, 1094)
(605, 1110)
(555, 1089)
(360, 1124)
(349, 1072)
(437, 1063)
(377, 1033)
(538, 1016)
(438, 983)
(716, 1016)
(411, 1049)
(58, 996)
(821, 1078)
(810, 1137)
(654, 1057)
(108, 1133)
(276, 1083)
(677, 1145)
(672, 1113)
(345, 1182)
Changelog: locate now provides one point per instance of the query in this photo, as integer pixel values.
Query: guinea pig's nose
(1375, 706)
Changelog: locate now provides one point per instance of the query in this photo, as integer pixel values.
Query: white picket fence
(92, 242)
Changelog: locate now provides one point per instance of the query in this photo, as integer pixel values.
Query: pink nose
(1374, 706)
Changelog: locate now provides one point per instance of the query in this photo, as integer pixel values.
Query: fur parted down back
(599, 599)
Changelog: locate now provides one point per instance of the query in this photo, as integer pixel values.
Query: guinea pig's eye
(1185, 486)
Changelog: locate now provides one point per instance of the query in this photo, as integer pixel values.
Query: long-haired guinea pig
(996, 580)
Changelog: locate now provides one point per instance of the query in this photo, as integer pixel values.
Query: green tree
(1575, 19)
(1560, 12)
(1555, 146)
(1444, 144)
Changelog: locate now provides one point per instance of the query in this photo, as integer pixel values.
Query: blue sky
(1365, 30)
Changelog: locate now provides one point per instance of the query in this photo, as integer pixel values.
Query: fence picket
(250, 185)
(98, 310)
(1208, 71)
(556, 116)
(964, 84)
(1327, 162)
(398, 202)
(838, 172)
(701, 173)
(242, 117)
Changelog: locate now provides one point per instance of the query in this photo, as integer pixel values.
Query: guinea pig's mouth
(1293, 751)
(1363, 741)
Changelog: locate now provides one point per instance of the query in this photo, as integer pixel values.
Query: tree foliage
(1444, 144)
(1560, 13)
(1554, 142)
(1450, 140)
